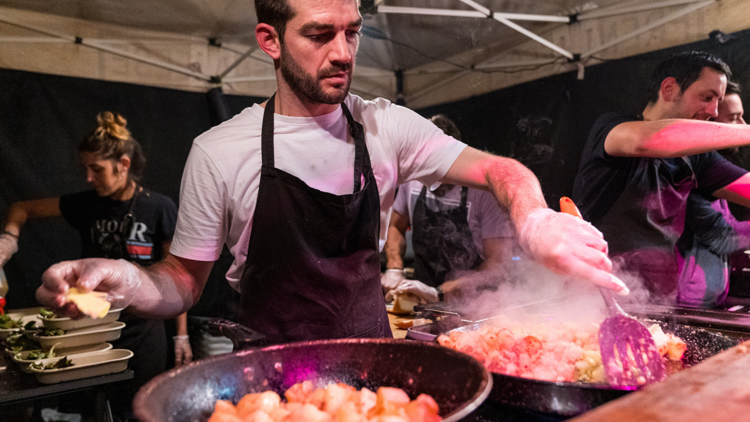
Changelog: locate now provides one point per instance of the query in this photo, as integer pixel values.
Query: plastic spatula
(629, 354)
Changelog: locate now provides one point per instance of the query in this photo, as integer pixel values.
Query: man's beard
(303, 83)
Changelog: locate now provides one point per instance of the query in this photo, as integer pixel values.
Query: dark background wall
(43, 117)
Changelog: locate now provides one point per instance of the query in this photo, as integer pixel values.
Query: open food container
(23, 361)
(84, 336)
(76, 324)
(84, 366)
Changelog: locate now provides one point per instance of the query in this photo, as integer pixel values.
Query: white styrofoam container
(23, 363)
(85, 366)
(75, 324)
(84, 336)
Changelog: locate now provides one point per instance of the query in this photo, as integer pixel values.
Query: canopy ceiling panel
(445, 49)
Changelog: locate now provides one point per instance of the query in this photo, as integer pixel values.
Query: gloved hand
(8, 246)
(183, 354)
(120, 279)
(390, 279)
(569, 246)
(425, 293)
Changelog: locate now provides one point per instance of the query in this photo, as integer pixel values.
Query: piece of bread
(404, 303)
(93, 304)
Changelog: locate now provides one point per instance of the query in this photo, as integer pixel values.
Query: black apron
(442, 240)
(313, 262)
(653, 204)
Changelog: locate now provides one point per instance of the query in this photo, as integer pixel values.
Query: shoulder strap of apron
(464, 196)
(361, 158)
(266, 135)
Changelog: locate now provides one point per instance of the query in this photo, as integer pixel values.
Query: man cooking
(711, 232)
(300, 189)
(636, 171)
(454, 230)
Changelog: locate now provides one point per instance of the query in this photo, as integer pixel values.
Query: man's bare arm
(737, 191)
(514, 185)
(673, 138)
(395, 245)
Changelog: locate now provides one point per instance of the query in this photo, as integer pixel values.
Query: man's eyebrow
(319, 26)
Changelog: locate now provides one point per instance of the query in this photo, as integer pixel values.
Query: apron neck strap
(356, 130)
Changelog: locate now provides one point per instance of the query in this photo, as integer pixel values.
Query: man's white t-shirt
(487, 219)
(220, 183)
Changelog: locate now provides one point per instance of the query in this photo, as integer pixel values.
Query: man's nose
(340, 52)
(712, 109)
(89, 176)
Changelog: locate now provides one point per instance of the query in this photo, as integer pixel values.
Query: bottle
(3, 283)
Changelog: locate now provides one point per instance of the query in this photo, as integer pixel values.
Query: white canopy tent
(424, 52)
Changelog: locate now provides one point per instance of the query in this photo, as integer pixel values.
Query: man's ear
(268, 40)
(670, 89)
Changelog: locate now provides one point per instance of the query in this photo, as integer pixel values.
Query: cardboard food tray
(85, 366)
(76, 324)
(23, 363)
(84, 336)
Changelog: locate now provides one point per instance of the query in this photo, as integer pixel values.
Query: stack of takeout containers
(83, 342)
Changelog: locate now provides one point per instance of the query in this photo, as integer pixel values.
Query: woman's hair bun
(112, 125)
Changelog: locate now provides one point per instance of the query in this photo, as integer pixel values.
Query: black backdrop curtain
(553, 115)
(42, 117)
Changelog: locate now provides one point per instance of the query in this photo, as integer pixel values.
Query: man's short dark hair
(275, 13)
(446, 125)
(686, 68)
(733, 88)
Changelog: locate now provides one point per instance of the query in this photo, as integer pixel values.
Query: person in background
(117, 219)
(636, 172)
(711, 233)
(454, 229)
(300, 189)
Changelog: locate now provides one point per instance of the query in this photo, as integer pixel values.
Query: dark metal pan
(456, 381)
(573, 398)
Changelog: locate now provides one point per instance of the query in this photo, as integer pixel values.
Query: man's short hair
(733, 88)
(686, 68)
(446, 125)
(275, 13)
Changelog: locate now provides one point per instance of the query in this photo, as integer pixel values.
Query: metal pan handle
(241, 336)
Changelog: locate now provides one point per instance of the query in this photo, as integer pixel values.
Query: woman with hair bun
(117, 219)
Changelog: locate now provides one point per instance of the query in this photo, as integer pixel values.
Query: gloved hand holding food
(183, 354)
(119, 279)
(391, 278)
(425, 293)
(569, 246)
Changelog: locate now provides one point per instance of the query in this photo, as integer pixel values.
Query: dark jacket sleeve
(714, 226)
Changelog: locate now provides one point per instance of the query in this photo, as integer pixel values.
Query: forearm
(674, 138)
(515, 187)
(15, 220)
(395, 248)
(21, 211)
(181, 324)
(166, 290)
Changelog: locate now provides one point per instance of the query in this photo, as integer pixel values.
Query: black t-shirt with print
(102, 222)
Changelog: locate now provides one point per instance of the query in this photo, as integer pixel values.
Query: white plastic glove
(183, 354)
(569, 246)
(120, 279)
(8, 246)
(425, 293)
(390, 279)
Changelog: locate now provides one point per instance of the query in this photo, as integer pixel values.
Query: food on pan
(335, 403)
(549, 352)
(93, 304)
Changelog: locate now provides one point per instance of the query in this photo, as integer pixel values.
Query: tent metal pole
(520, 29)
(470, 14)
(251, 79)
(655, 24)
(115, 51)
(237, 62)
(40, 40)
(623, 10)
